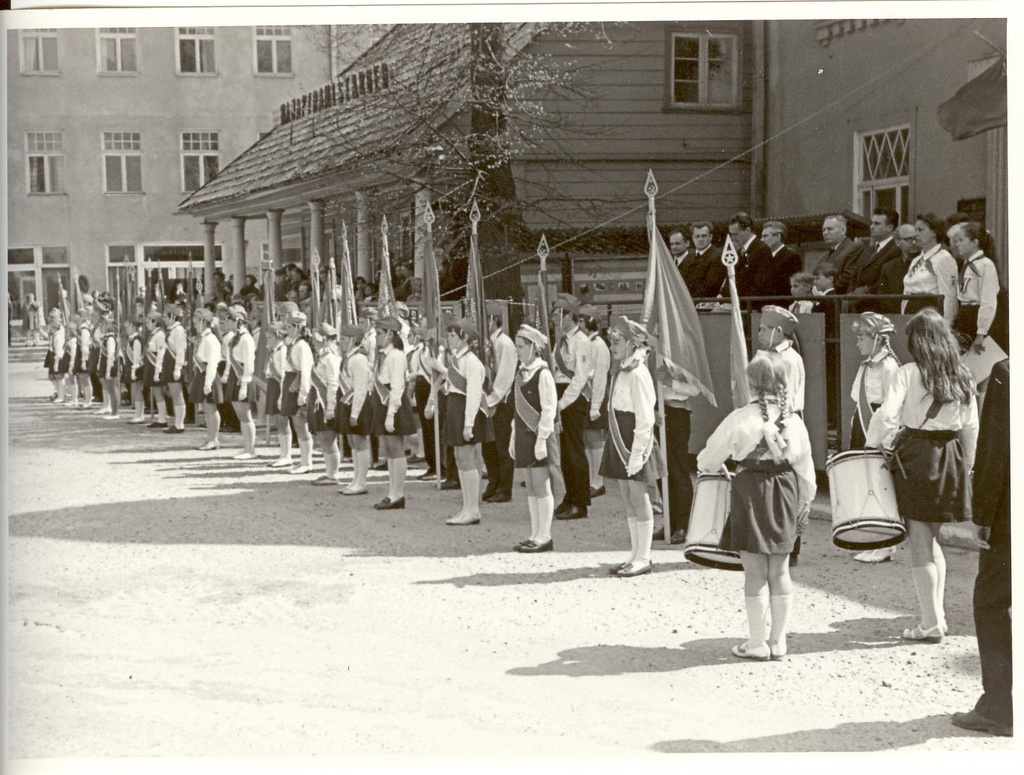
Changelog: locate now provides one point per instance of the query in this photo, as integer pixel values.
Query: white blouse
(633, 392)
(877, 373)
(473, 370)
(391, 372)
(934, 271)
(979, 284)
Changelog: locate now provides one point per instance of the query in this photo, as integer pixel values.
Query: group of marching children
(499, 405)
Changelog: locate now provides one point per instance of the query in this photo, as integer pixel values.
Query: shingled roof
(406, 87)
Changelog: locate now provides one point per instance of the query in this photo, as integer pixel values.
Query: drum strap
(932, 411)
(863, 404)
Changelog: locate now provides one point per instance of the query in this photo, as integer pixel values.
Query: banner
(737, 340)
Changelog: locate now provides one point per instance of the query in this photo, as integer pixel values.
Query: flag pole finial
(651, 186)
(384, 225)
(474, 214)
(428, 215)
(543, 251)
(344, 230)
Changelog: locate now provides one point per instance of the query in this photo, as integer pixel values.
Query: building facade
(109, 129)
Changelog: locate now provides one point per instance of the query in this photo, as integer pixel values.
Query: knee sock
(940, 588)
(545, 513)
(633, 538)
(161, 410)
(470, 480)
(179, 414)
(397, 466)
(757, 619)
(360, 467)
(780, 605)
(594, 457)
(926, 585)
(249, 437)
(284, 438)
(306, 452)
(644, 536)
(531, 504)
(331, 460)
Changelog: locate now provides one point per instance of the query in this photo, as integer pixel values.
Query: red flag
(979, 105)
(386, 306)
(737, 341)
(669, 313)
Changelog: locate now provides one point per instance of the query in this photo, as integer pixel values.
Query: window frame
(900, 184)
(46, 155)
(198, 37)
(118, 35)
(123, 154)
(201, 155)
(274, 39)
(704, 34)
(38, 34)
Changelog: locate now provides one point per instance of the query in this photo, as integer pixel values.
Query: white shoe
(302, 470)
(282, 462)
(111, 417)
(210, 445)
(244, 456)
(137, 421)
(102, 411)
(876, 555)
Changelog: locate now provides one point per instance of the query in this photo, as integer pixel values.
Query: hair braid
(889, 350)
(762, 402)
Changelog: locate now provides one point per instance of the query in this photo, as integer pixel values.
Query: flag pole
(651, 190)
(435, 301)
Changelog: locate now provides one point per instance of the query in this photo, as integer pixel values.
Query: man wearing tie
(754, 271)
(572, 382)
(862, 275)
(843, 252)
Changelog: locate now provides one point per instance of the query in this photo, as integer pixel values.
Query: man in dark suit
(890, 276)
(709, 271)
(785, 262)
(883, 248)
(754, 269)
(683, 255)
(843, 251)
(993, 712)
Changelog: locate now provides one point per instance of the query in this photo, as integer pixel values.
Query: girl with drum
(323, 401)
(152, 372)
(932, 403)
(134, 368)
(536, 403)
(274, 372)
(240, 391)
(629, 456)
(771, 493)
(353, 415)
(295, 390)
(205, 387)
(393, 419)
(466, 426)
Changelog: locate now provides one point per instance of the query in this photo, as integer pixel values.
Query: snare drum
(708, 515)
(864, 511)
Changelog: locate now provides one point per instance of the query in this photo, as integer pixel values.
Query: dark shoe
(534, 548)
(614, 570)
(635, 570)
(563, 507)
(500, 498)
(659, 534)
(174, 430)
(387, 504)
(429, 474)
(451, 484)
(597, 492)
(975, 722)
(519, 547)
(382, 466)
(157, 425)
(488, 494)
(678, 537)
(415, 460)
(574, 512)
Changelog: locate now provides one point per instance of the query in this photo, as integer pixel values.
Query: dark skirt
(612, 466)
(931, 478)
(290, 394)
(92, 363)
(63, 365)
(405, 420)
(48, 361)
(106, 371)
(455, 414)
(166, 375)
(763, 509)
(273, 396)
(316, 415)
(195, 389)
(79, 367)
(526, 440)
(343, 419)
(231, 390)
(966, 324)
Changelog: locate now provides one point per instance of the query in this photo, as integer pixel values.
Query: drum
(708, 515)
(864, 511)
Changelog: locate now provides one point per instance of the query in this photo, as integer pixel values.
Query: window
(705, 70)
(56, 255)
(196, 50)
(116, 50)
(200, 160)
(21, 256)
(274, 50)
(39, 53)
(882, 171)
(122, 162)
(45, 162)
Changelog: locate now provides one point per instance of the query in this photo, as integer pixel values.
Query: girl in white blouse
(240, 391)
(770, 495)
(629, 454)
(392, 414)
(136, 363)
(274, 372)
(353, 415)
(933, 271)
(323, 401)
(205, 386)
(978, 289)
(295, 389)
(929, 423)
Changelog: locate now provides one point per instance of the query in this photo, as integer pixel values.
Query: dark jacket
(991, 500)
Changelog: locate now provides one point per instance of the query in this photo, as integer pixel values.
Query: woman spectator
(933, 271)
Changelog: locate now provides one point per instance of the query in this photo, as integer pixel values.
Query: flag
(386, 305)
(348, 291)
(737, 341)
(65, 309)
(670, 316)
(431, 310)
(979, 105)
(475, 283)
(314, 294)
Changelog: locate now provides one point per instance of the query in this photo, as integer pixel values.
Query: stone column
(274, 236)
(209, 257)
(363, 238)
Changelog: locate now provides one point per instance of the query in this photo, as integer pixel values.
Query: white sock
(781, 605)
(399, 466)
(249, 437)
(545, 513)
(306, 452)
(531, 503)
(331, 464)
(644, 536)
(633, 538)
(757, 616)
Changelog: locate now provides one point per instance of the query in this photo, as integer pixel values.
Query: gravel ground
(169, 603)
